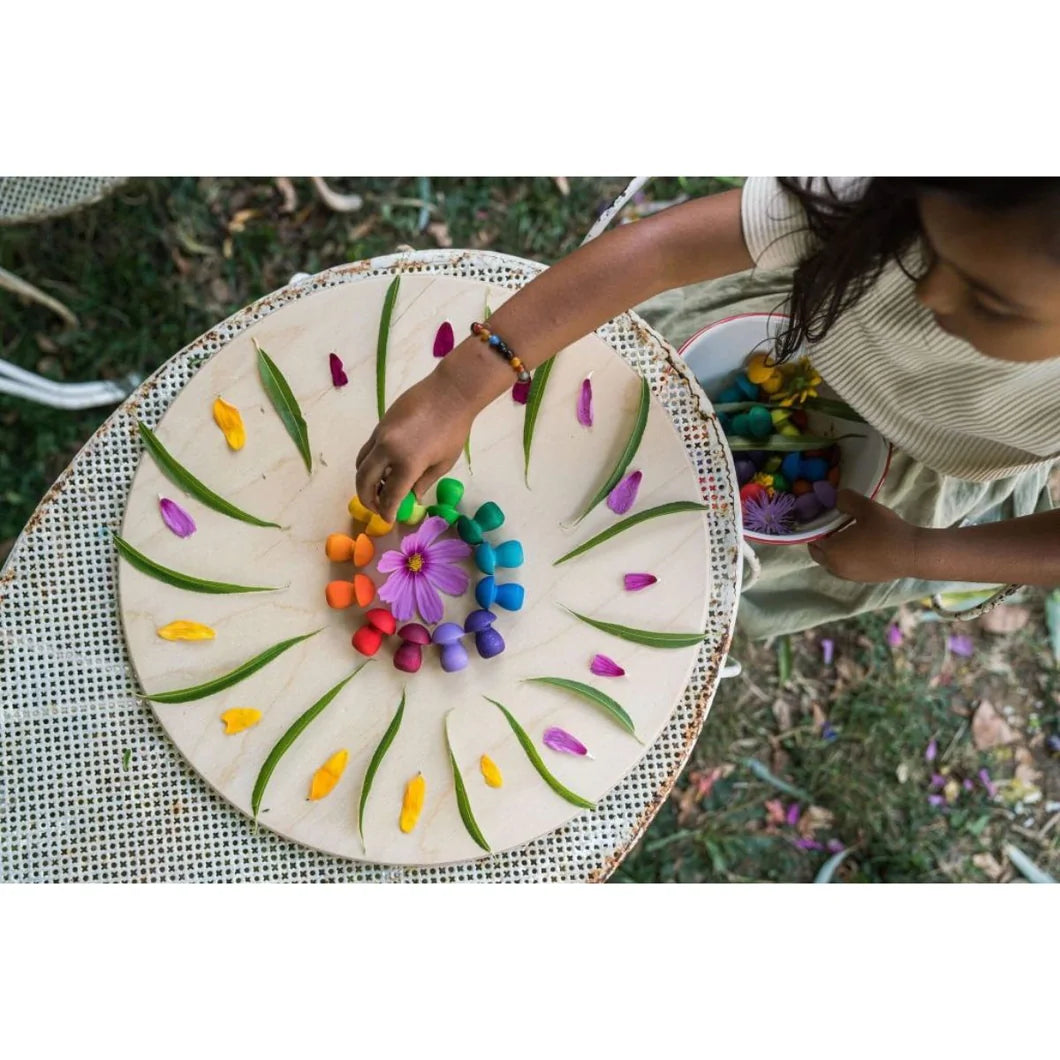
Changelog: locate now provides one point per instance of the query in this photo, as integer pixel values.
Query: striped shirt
(934, 396)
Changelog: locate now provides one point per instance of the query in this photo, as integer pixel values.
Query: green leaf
(126, 758)
(467, 450)
(380, 347)
(1052, 622)
(640, 421)
(784, 659)
(180, 475)
(594, 696)
(1027, 867)
(219, 684)
(650, 637)
(179, 580)
(827, 870)
(535, 761)
(839, 409)
(764, 774)
(533, 407)
(462, 801)
(285, 404)
(783, 443)
(673, 508)
(377, 758)
(292, 734)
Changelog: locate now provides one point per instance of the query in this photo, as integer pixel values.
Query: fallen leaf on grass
(782, 711)
(989, 729)
(1025, 771)
(1005, 619)
(988, 865)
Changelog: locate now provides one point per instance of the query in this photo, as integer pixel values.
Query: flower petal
(338, 375)
(445, 577)
(585, 402)
(450, 550)
(603, 666)
(428, 532)
(827, 650)
(991, 787)
(444, 340)
(621, 498)
(932, 750)
(391, 561)
(793, 814)
(961, 644)
(560, 740)
(399, 591)
(635, 582)
(894, 636)
(520, 392)
(176, 518)
(428, 602)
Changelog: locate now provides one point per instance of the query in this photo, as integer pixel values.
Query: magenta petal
(894, 636)
(444, 341)
(520, 392)
(991, 787)
(428, 602)
(585, 403)
(834, 846)
(931, 752)
(808, 844)
(827, 650)
(338, 376)
(174, 516)
(561, 740)
(445, 578)
(429, 531)
(391, 561)
(793, 814)
(602, 666)
(936, 800)
(961, 644)
(634, 582)
(399, 591)
(621, 498)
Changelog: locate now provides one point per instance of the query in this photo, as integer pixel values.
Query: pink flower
(894, 636)
(421, 567)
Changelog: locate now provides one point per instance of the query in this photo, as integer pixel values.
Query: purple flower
(420, 568)
(938, 780)
(967, 784)
(827, 650)
(936, 800)
(834, 846)
(991, 787)
(894, 636)
(623, 496)
(961, 644)
(829, 732)
(793, 814)
(808, 844)
(932, 751)
(769, 515)
(174, 516)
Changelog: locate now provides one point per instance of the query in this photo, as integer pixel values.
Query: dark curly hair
(857, 238)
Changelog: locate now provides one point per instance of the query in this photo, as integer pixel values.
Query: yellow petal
(183, 630)
(227, 417)
(490, 772)
(328, 775)
(412, 803)
(239, 718)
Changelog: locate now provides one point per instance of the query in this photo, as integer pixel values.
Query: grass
(160, 261)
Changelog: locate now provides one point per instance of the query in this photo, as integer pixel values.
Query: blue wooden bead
(509, 554)
(495, 340)
(510, 596)
(729, 396)
(814, 469)
(748, 389)
(791, 465)
(486, 557)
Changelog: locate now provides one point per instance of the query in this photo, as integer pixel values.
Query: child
(930, 305)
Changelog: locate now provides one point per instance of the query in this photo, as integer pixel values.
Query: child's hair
(857, 238)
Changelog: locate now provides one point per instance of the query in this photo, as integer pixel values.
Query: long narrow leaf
(640, 421)
(462, 801)
(535, 760)
(240, 673)
(783, 443)
(377, 758)
(180, 475)
(381, 344)
(829, 867)
(178, 579)
(1052, 622)
(650, 637)
(838, 409)
(285, 404)
(764, 774)
(673, 508)
(784, 659)
(533, 407)
(292, 734)
(600, 699)
(1027, 867)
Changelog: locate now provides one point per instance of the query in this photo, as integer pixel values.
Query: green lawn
(158, 263)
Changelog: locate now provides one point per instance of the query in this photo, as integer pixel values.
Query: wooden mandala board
(268, 478)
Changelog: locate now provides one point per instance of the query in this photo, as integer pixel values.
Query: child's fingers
(426, 480)
(365, 449)
(396, 486)
(369, 475)
(850, 503)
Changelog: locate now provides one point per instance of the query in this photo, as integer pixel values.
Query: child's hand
(415, 443)
(879, 546)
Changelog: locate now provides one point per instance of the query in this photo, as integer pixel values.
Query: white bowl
(718, 353)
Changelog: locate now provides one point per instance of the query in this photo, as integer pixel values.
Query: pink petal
(961, 644)
(428, 532)
(793, 814)
(446, 578)
(827, 650)
(621, 498)
(428, 602)
(520, 392)
(174, 516)
(634, 582)
(991, 787)
(338, 376)
(561, 740)
(894, 636)
(399, 591)
(444, 341)
(931, 751)
(449, 551)
(391, 561)
(585, 403)
(602, 666)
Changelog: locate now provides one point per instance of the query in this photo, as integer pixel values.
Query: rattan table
(91, 789)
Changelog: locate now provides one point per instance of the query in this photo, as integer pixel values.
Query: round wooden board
(268, 478)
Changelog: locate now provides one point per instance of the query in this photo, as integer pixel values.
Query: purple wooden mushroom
(488, 641)
(409, 656)
(454, 654)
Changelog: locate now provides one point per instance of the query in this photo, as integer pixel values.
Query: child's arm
(880, 546)
(422, 433)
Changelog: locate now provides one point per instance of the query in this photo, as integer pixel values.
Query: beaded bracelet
(497, 343)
